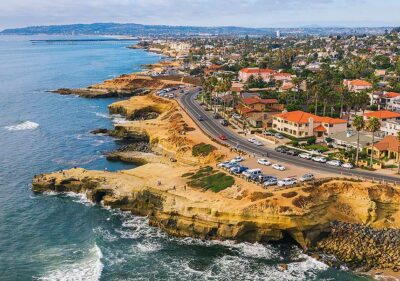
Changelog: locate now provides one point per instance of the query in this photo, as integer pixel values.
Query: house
(246, 73)
(391, 101)
(348, 140)
(382, 115)
(282, 76)
(260, 104)
(237, 87)
(388, 147)
(357, 85)
(300, 124)
(390, 128)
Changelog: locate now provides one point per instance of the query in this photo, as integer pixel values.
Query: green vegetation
(317, 147)
(209, 179)
(202, 149)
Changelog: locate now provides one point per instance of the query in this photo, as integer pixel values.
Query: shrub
(295, 143)
(289, 194)
(311, 141)
(202, 149)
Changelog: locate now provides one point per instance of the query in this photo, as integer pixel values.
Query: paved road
(213, 128)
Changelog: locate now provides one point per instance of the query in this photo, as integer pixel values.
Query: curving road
(214, 129)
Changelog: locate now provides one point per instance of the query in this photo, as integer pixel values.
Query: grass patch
(209, 179)
(390, 166)
(186, 175)
(317, 147)
(289, 194)
(202, 149)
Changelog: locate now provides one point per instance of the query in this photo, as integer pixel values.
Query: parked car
(268, 133)
(236, 116)
(252, 140)
(278, 167)
(335, 163)
(292, 153)
(200, 118)
(238, 159)
(319, 159)
(264, 162)
(258, 143)
(307, 177)
(238, 169)
(224, 122)
(231, 164)
(348, 165)
(223, 164)
(305, 156)
(271, 181)
(222, 137)
(278, 136)
(251, 172)
(287, 182)
(281, 149)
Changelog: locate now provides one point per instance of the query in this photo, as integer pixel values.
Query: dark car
(200, 118)
(224, 122)
(216, 115)
(292, 153)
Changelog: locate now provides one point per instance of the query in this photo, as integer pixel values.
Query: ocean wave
(148, 247)
(103, 115)
(87, 269)
(27, 125)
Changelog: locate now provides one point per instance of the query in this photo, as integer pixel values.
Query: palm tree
(373, 126)
(398, 168)
(359, 124)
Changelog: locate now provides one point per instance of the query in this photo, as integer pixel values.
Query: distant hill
(164, 30)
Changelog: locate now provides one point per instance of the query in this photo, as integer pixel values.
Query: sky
(247, 13)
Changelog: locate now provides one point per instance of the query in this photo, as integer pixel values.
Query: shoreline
(167, 165)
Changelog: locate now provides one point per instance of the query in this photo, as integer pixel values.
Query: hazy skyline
(248, 13)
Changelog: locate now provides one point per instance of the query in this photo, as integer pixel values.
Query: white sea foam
(118, 119)
(105, 234)
(27, 125)
(87, 269)
(103, 115)
(148, 247)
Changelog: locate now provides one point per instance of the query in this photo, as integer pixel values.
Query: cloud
(194, 12)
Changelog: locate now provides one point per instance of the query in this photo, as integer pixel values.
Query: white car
(271, 181)
(335, 163)
(307, 177)
(252, 172)
(264, 162)
(305, 156)
(287, 182)
(319, 159)
(348, 165)
(252, 140)
(278, 167)
(223, 164)
(237, 159)
(258, 143)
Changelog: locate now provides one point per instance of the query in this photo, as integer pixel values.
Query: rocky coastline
(356, 222)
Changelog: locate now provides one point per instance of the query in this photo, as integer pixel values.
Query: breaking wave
(27, 125)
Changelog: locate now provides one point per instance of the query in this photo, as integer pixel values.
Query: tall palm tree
(373, 126)
(358, 124)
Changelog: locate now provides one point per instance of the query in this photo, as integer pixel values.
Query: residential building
(301, 124)
(348, 139)
(246, 73)
(357, 85)
(382, 115)
(391, 101)
(388, 147)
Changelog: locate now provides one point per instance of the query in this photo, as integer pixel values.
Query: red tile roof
(319, 128)
(360, 83)
(257, 70)
(391, 95)
(382, 114)
(303, 117)
(389, 143)
(254, 100)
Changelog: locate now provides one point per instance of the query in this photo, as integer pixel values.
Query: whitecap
(87, 269)
(27, 125)
(103, 115)
(148, 247)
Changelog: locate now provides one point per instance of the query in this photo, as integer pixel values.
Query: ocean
(65, 237)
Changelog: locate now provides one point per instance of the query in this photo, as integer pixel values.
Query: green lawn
(209, 179)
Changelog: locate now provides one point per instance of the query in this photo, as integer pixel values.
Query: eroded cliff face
(156, 191)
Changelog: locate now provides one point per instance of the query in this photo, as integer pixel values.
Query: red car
(222, 137)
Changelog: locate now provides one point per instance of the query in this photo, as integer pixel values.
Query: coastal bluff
(160, 193)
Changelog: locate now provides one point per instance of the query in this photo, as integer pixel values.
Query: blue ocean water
(64, 237)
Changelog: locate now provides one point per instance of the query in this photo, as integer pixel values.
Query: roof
(319, 128)
(360, 83)
(303, 117)
(282, 74)
(389, 143)
(254, 100)
(391, 95)
(245, 110)
(382, 114)
(257, 70)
